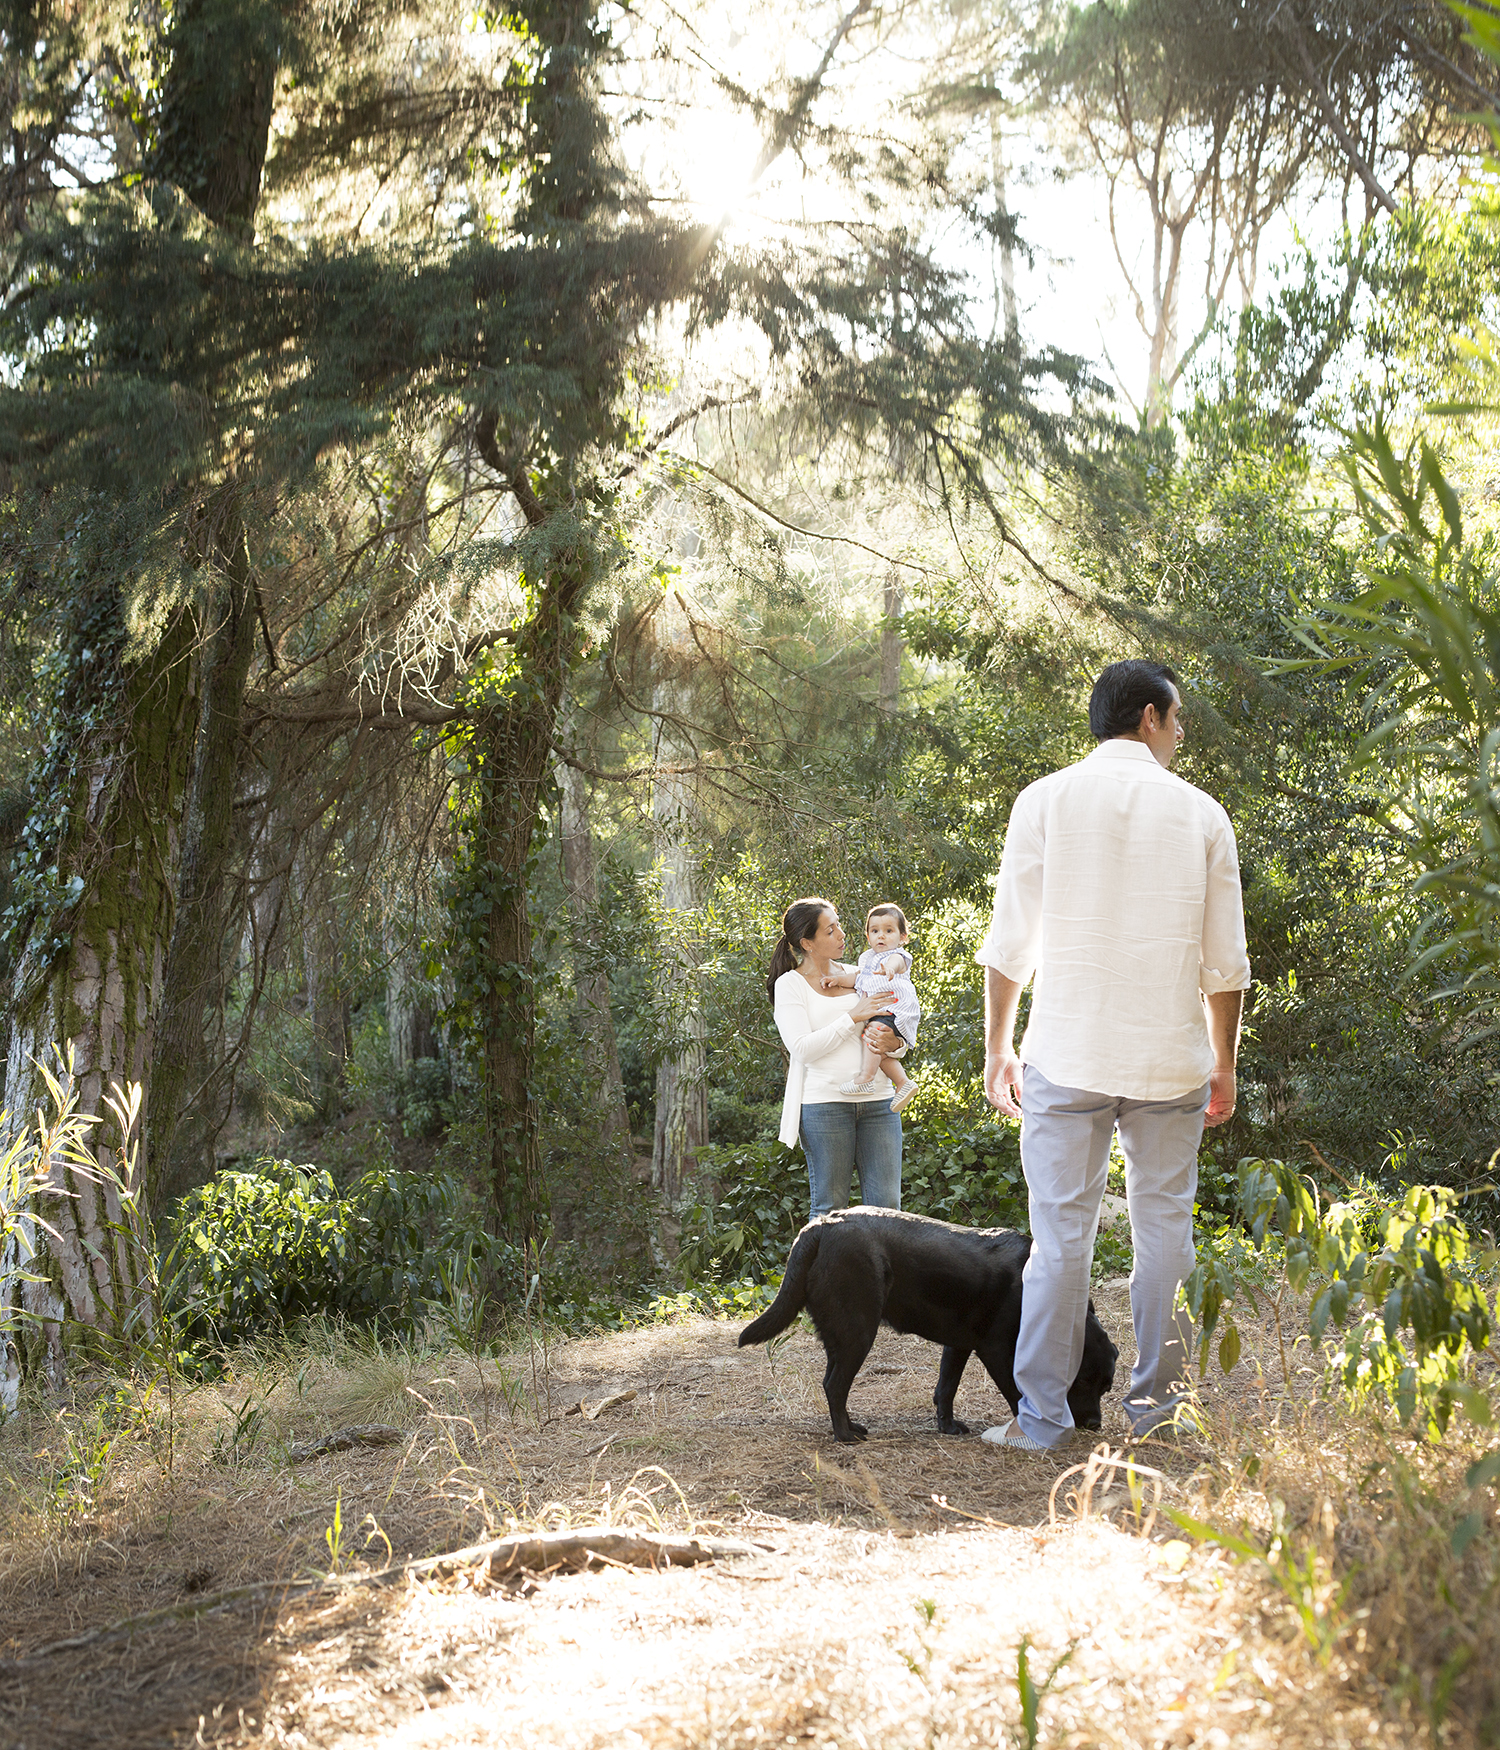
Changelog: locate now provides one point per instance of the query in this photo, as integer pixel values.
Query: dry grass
(902, 1578)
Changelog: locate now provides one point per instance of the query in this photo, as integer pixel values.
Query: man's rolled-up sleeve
(1013, 944)
(1224, 963)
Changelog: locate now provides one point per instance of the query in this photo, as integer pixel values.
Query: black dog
(958, 1286)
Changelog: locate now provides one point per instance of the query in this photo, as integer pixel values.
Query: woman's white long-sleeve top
(823, 1044)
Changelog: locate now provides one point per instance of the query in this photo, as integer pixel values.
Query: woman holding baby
(839, 1096)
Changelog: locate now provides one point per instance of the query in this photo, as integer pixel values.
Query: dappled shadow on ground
(896, 1582)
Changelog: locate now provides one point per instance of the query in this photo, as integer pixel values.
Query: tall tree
(106, 876)
(1214, 115)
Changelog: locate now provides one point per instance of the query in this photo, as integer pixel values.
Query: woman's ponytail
(799, 924)
(782, 960)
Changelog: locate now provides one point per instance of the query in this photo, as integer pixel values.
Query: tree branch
(809, 534)
(1293, 30)
(707, 405)
(782, 133)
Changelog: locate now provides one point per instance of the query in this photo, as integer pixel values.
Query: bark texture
(408, 1025)
(219, 93)
(511, 731)
(93, 972)
(93, 977)
(515, 747)
(328, 1006)
(186, 1107)
(890, 647)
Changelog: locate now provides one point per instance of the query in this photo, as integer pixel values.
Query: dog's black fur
(958, 1286)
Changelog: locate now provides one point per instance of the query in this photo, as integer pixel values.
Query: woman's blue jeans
(840, 1135)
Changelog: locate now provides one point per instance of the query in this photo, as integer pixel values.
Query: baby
(884, 965)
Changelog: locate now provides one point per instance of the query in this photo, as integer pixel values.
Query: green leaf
(1474, 1403)
(1229, 1347)
(1317, 1319)
(1206, 1533)
(1483, 1471)
(1466, 1531)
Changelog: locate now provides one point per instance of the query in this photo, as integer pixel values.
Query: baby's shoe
(857, 1088)
(903, 1094)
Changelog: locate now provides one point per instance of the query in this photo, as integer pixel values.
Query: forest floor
(900, 1592)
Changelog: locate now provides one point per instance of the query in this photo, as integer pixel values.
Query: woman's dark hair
(799, 924)
(1123, 691)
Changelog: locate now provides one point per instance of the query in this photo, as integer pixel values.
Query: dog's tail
(793, 1294)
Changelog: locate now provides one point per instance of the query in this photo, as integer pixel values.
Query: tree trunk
(92, 973)
(510, 741)
(681, 1089)
(514, 747)
(596, 1024)
(218, 96)
(327, 993)
(1007, 251)
(408, 1019)
(185, 1094)
(90, 977)
(408, 1025)
(890, 647)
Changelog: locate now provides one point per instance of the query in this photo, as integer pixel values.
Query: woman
(821, 1030)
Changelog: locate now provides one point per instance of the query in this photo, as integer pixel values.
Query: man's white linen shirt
(1120, 888)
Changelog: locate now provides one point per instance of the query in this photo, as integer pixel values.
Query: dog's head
(1096, 1376)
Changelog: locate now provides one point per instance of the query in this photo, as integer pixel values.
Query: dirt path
(898, 1583)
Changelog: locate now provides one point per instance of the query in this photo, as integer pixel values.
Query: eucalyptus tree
(1216, 116)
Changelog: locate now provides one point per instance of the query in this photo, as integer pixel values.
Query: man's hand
(1002, 1082)
(1002, 1068)
(1220, 1098)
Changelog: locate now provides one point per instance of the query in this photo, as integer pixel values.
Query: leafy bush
(748, 1227)
(964, 1173)
(1404, 1283)
(954, 1169)
(255, 1249)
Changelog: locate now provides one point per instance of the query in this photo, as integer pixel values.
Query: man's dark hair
(1123, 691)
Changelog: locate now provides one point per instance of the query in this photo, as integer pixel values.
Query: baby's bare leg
(878, 1039)
(870, 1062)
(891, 1066)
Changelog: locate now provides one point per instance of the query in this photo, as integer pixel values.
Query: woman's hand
(879, 1002)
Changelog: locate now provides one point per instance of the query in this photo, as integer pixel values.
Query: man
(1120, 888)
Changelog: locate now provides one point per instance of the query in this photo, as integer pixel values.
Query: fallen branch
(533, 1552)
(345, 1440)
(592, 1413)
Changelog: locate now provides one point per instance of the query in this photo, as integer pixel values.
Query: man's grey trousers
(1065, 1138)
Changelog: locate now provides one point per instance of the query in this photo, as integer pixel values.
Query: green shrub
(953, 1168)
(252, 1250)
(424, 1098)
(961, 1172)
(748, 1227)
(1404, 1282)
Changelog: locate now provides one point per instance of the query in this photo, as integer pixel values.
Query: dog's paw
(857, 1431)
(953, 1426)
